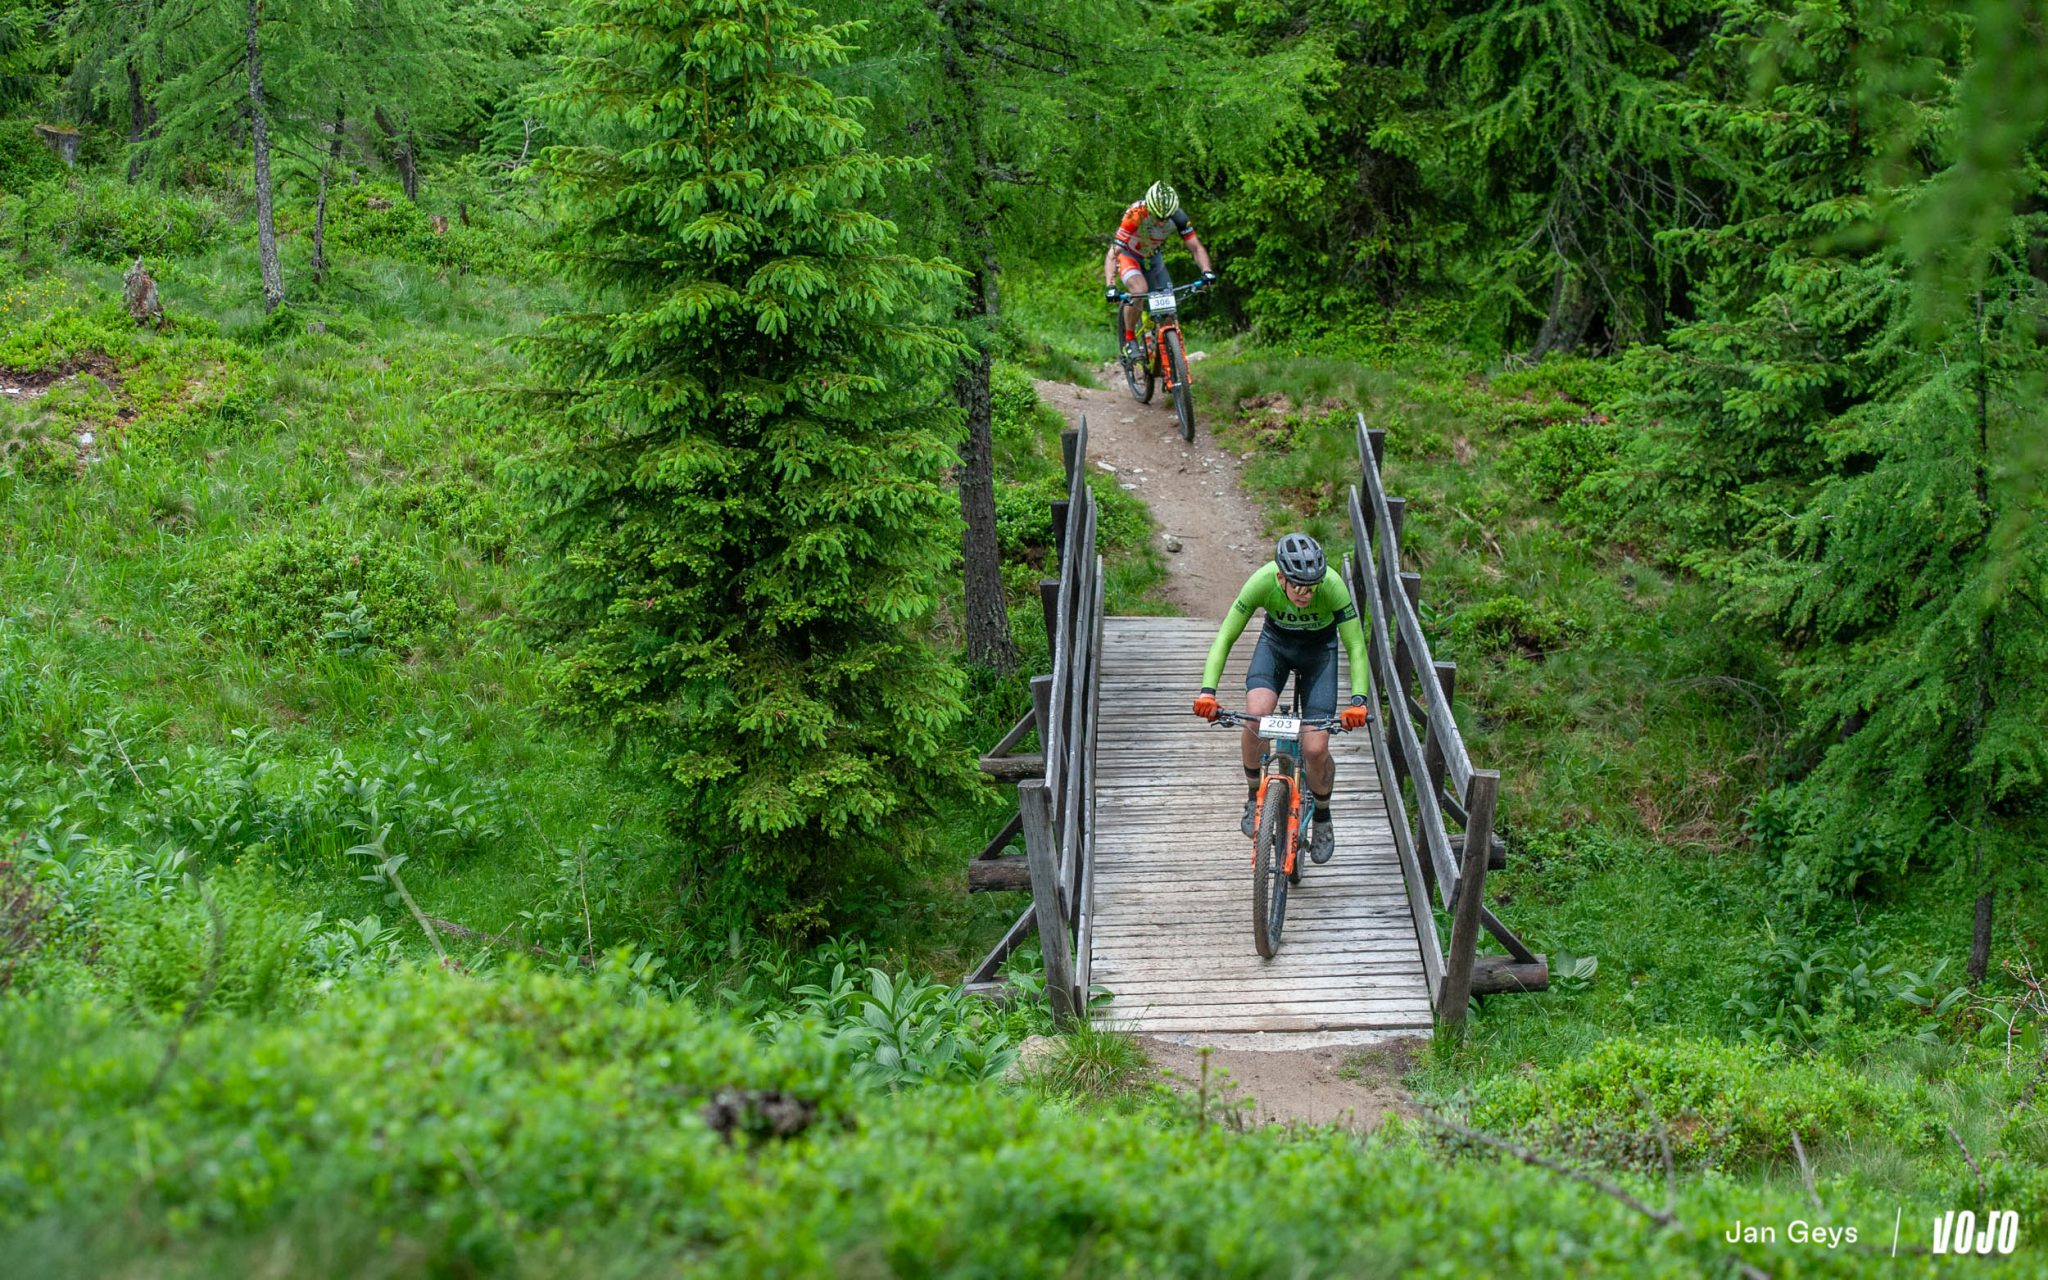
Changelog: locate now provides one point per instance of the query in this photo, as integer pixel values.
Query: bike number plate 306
(1161, 303)
(1279, 726)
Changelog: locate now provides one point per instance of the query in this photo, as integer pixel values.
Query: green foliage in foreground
(437, 1124)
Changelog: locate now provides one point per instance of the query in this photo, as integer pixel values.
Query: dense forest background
(553, 491)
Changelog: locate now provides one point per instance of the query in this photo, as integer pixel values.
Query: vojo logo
(1961, 1233)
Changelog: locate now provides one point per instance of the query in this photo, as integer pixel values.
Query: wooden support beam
(1025, 724)
(1070, 450)
(1049, 604)
(1059, 535)
(1014, 768)
(1497, 855)
(1010, 873)
(1041, 847)
(994, 848)
(992, 963)
(1504, 975)
(1471, 889)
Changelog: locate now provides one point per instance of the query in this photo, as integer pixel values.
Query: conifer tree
(1846, 436)
(751, 432)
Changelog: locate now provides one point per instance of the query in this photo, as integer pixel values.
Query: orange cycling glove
(1356, 714)
(1205, 705)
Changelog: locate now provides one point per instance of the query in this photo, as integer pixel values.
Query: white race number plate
(1280, 726)
(1161, 303)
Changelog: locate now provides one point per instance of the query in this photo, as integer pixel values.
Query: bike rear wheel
(1138, 374)
(1183, 394)
(1269, 873)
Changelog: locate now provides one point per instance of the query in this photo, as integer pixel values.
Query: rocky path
(1191, 489)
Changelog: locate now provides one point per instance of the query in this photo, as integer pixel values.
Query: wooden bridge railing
(1056, 785)
(1423, 765)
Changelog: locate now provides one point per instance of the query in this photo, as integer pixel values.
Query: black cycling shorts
(1310, 655)
(1156, 278)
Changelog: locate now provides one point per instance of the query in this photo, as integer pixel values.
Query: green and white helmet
(1161, 200)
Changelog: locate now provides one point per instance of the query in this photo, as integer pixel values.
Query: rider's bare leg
(1134, 284)
(1316, 761)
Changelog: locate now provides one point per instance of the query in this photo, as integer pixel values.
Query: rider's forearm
(1201, 254)
(1109, 268)
(1353, 636)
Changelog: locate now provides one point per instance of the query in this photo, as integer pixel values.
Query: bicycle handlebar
(1179, 291)
(1234, 719)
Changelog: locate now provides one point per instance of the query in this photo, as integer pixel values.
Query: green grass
(1632, 725)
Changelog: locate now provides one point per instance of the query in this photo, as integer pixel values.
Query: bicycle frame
(1154, 322)
(1282, 759)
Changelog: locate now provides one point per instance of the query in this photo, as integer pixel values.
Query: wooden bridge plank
(1171, 904)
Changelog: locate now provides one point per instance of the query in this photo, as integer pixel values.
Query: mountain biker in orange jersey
(1307, 610)
(1137, 258)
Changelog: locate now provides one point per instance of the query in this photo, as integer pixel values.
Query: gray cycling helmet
(1300, 559)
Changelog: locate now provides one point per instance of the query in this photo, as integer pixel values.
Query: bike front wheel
(1138, 377)
(1183, 394)
(1269, 870)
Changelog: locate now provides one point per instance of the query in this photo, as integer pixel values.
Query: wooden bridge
(1139, 876)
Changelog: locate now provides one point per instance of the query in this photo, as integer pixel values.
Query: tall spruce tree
(1846, 438)
(751, 435)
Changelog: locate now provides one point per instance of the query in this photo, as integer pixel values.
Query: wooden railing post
(1433, 749)
(1479, 808)
(1034, 800)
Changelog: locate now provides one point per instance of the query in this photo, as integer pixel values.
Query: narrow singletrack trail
(1192, 489)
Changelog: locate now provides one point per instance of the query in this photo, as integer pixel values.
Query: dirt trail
(1191, 488)
(1354, 1088)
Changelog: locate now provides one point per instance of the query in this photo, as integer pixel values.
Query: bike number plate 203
(1161, 303)
(1279, 726)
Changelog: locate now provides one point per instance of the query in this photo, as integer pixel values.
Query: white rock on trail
(1104, 466)
(1127, 485)
(1172, 543)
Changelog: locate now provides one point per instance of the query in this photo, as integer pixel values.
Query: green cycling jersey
(1330, 606)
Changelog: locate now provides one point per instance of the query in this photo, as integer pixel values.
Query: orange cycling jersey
(1140, 235)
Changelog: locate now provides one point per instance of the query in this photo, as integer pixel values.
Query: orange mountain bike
(1165, 352)
(1286, 809)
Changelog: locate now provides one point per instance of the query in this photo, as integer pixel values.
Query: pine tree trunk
(988, 614)
(1571, 314)
(320, 205)
(141, 120)
(402, 156)
(1980, 938)
(259, 138)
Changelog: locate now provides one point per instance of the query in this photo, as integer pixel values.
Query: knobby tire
(1269, 877)
(1138, 374)
(1183, 394)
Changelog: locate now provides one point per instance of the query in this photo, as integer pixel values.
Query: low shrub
(277, 591)
(1507, 625)
(459, 506)
(231, 946)
(375, 219)
(109, 220)
(1717, 1105)
(444, 1125)
(25, 159)
(1557, 459)
(1024, 517)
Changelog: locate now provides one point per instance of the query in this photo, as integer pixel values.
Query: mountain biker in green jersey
(1307, 610)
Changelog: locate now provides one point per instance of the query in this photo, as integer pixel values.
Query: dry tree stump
(139, 292)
